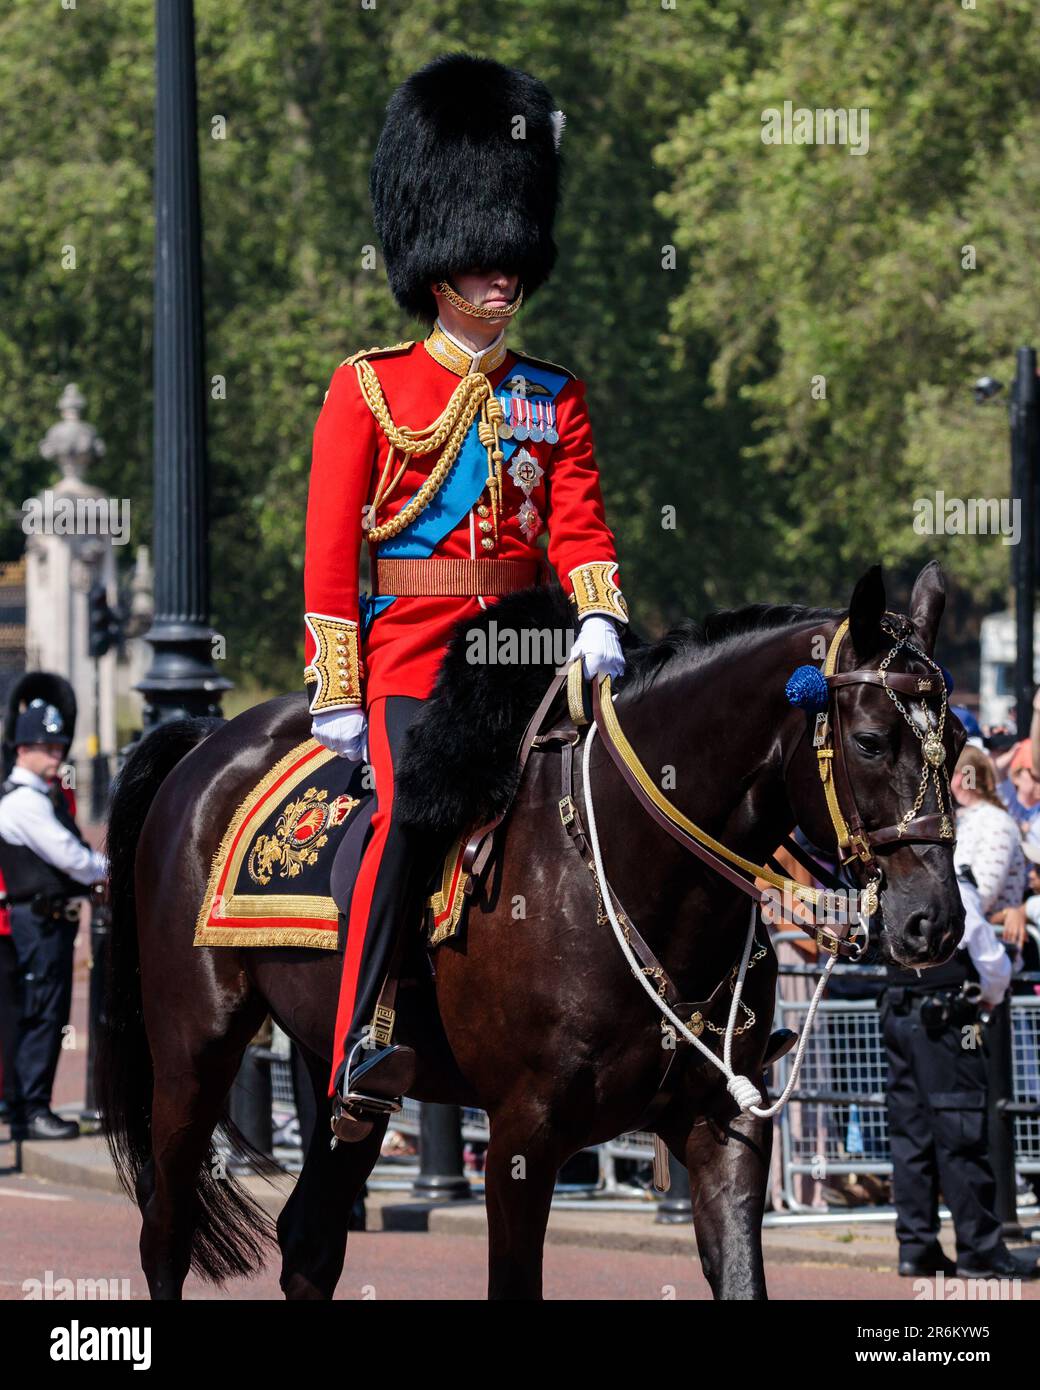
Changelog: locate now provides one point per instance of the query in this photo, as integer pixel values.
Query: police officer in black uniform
(47, 866)
(936, 1101)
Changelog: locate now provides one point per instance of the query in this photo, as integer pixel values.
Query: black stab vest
(25, 873)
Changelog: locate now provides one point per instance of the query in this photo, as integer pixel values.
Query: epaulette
(376, 352)
(541, 362)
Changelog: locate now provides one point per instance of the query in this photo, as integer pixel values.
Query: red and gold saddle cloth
(269, 884)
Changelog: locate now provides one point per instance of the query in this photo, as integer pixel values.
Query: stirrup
(375, 1090)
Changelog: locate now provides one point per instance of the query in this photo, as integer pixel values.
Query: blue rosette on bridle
(807, 689)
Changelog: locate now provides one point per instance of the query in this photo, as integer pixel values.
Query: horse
(537, 1020)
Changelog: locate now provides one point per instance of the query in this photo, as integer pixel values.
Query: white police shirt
(29, 819)
(983, 946)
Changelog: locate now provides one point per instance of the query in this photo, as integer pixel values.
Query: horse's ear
(865, 613)
(927, 603)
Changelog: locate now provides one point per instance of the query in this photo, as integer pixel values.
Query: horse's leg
(523, 1158)
(313, 1224)
(193, 1075)
(729, 1169)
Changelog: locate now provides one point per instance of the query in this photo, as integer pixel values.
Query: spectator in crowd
(972, 727)
(1018, 770)
(988, 840)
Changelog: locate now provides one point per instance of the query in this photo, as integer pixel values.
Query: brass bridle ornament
(855, 842)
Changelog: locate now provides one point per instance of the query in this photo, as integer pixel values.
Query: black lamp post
(181, 680)
(1024, 442)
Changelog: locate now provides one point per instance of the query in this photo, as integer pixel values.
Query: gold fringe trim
(267, 936)
(441, 900)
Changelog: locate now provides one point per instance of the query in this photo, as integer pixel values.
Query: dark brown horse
(537, 1020)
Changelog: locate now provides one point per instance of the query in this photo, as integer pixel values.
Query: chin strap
(477, 311)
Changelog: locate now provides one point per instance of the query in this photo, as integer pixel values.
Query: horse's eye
(870, 745)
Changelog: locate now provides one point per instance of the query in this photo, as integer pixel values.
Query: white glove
(343, 731)
(599, 648)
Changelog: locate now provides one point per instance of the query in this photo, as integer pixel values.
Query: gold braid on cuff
(336, 667)
(595, 591)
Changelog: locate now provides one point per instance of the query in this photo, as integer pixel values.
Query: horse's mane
(460, 762)
(690, 641)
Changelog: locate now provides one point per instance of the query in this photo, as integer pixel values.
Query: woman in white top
(988, 841)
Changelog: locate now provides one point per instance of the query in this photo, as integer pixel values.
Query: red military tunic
(402, 648)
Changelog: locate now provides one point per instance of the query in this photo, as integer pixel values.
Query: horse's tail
(232, 1231)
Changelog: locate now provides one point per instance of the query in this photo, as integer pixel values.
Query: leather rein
(855, 842)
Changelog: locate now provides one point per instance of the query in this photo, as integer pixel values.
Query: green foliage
(792, 262)
(807, 261)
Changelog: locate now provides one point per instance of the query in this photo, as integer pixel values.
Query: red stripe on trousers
(364, 886)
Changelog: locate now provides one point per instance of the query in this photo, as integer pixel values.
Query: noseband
(855, 841)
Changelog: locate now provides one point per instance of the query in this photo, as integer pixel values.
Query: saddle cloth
(270, 883)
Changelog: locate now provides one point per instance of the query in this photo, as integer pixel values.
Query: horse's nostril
(918, 926)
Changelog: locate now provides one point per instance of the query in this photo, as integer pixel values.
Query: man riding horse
(450, 457)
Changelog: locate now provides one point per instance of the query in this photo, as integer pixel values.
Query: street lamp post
(181, 680)
(1024, 442)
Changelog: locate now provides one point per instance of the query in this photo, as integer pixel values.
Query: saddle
(272, 881)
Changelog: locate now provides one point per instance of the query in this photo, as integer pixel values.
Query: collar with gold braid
(474, 395)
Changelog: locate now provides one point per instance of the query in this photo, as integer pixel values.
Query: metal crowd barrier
(836, 1122)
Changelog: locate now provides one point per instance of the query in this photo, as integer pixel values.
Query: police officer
(46, 866)
(936, 1101)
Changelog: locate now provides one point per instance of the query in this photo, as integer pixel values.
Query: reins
(853, 839)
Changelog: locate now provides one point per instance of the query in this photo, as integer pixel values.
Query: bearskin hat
(460, 181)
(36, 685)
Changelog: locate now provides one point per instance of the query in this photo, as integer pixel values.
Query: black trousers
(389, 883)
(938, 1133)
(45, 951)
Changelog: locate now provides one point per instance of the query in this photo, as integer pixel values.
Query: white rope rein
(741, 1088)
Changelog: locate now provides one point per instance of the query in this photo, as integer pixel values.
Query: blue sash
(458, 493)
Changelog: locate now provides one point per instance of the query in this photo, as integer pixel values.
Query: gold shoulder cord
(471, 397)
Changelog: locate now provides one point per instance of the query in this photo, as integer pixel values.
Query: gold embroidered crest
(298, 835)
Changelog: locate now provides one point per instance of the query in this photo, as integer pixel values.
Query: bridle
(818, 693)
(854, 841)
(857, 844)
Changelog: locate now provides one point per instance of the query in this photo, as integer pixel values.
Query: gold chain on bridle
(656, 974)
(474, 395)
(933, 750)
